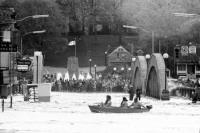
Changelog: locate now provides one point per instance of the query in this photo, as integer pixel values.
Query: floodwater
(69, 113)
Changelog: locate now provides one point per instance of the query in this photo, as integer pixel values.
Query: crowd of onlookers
(110, 84)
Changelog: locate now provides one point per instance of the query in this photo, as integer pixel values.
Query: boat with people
(113, 109)
(106, 107)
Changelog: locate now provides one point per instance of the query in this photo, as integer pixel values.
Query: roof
(118, 49)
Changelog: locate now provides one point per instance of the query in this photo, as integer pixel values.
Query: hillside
(93, 47)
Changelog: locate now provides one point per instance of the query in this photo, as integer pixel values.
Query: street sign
(7, 47)
(23, 65)
(22, 68)
(23, 62)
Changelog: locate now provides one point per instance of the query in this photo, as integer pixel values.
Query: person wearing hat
(124, 103)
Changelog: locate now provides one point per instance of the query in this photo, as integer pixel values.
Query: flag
(72, 43)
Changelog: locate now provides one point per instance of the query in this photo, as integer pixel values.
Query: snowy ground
(69, 113)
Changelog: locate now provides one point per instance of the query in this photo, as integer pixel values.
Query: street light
(152, 33)
(133, 59)
(106, 58)
(28, 33)
(90, 60)
(95, 71)
(165, 56)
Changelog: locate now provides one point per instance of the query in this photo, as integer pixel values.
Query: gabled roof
(117, 49)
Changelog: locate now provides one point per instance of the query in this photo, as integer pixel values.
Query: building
(120, 59)
(186, 60)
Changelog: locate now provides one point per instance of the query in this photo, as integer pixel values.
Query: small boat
(112, 109)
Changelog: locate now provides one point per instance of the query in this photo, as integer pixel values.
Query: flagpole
(75, 48)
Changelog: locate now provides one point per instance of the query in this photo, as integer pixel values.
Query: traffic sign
(7, 47)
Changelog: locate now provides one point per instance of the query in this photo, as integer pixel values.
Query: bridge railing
(183, 92)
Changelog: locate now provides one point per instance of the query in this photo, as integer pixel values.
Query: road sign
(23, 62)
(7, 47)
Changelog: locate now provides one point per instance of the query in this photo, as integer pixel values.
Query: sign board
(184, 50)
(23, 62)
(7, 47)
(192, 49)
(22, 68)
(23, 65)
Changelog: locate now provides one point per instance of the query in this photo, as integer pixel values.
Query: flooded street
(69, 112)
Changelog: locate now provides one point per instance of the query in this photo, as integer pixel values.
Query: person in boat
(124, 103)
(136, 104)
(108, 102)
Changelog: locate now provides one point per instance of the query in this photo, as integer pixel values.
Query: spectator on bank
(131, 92)
(138, 93)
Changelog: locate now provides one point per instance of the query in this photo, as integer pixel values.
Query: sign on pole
(23, 65)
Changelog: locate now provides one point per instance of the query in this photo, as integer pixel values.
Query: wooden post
(3, 105)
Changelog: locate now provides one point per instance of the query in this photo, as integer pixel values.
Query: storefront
(187, 61)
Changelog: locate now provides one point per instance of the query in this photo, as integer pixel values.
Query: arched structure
(155, 80)
(139, 72)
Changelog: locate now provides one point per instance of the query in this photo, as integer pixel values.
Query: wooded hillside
(83, 18)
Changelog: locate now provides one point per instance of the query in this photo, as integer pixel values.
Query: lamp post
(152, 34)
(114, 70)
(133, 61)
(147, 56)
(28, 33)
(95, 71)
(106, 58)
(165, 92)
(165, 56)
(90, 61)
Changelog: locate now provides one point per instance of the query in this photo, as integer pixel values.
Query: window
(117, 55)
(177, 52)
(181, 67)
